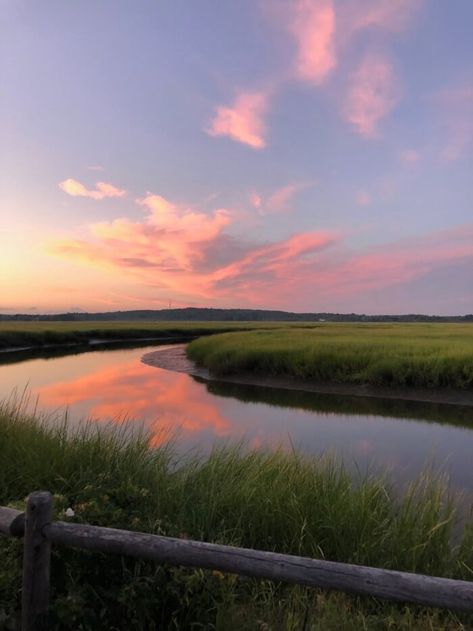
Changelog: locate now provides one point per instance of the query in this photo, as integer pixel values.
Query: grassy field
(271, 501)
(398, 355)
(20, 334)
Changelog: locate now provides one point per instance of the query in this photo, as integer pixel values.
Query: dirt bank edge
(176, 359)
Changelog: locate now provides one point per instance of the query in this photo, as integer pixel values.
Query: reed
(393, 355)
(280, 501)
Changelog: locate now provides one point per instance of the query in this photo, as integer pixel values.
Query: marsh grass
(279, 501)
(398, 355)
(38, 334)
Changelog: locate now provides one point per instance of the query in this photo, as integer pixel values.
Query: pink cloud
(184, 250)
(256, 200)
(244, 121)
(180, 252)
(170, 237)
(324, 29)
(270, 260)
(389, 15)
(279, 201)
(102, 189)
(392, 264)
(313, 27)
(373, 93)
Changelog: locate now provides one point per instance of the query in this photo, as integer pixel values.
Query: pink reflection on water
(165, 400)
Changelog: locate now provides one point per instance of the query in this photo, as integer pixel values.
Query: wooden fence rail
(40, 533)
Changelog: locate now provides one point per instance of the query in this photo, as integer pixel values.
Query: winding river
(113, 384)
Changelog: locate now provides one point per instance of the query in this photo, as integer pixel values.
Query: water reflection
(365, 432)
(345, 404)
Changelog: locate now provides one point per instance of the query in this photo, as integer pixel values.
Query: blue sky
(304, 154)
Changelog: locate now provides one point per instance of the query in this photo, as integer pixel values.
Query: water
(113, 384)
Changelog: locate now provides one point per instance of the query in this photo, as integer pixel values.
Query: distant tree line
(238, 315)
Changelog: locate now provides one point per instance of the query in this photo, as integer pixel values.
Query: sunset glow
(307, 155)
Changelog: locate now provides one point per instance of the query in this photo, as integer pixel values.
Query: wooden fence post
(36, 562)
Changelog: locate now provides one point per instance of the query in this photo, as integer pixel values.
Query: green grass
(18, 334)
(265, 500)
(394, 355)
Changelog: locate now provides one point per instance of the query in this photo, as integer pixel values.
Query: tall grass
(37, 334)
(401, 355)
(266, 500)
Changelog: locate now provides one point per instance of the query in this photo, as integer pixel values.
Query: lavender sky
(310, 155)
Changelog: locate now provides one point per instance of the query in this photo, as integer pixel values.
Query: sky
(305, 155)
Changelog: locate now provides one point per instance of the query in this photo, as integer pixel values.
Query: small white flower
(70, 512)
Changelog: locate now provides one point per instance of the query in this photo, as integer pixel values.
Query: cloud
(372, 94)
(102, 189)
(180, 252)
(256, 200)
(271, 261)
(164, 249)
(313, 27)
(324, 29)
(392, 16)
(349, 276)
(277, 202)
(184, 250)
(96, 167)
(280, 200)
(244, 120)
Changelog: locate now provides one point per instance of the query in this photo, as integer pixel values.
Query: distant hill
(238, 315)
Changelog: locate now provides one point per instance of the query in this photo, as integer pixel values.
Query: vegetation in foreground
(266, 500)
(394, 355)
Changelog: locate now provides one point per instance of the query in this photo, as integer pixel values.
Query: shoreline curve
(175, 359)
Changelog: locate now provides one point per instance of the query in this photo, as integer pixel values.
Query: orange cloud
(244, 121)
(185, 251)
(180, 252)
(372, 94)
(102, 189)
(165, 248)
(313, 27)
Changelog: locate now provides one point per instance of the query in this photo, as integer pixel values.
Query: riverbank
(28, 335)
(176, 359)
(394, 359)
(278, 501)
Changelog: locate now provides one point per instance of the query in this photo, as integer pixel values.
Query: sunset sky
(307, 155)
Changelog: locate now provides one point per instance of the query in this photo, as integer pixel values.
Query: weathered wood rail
(39, 533)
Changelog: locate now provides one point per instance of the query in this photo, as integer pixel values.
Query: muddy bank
(175, 359)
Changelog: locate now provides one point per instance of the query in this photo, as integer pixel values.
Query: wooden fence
(39, 533)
